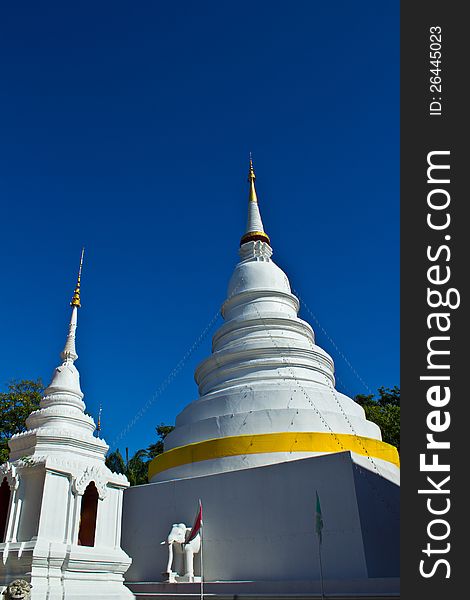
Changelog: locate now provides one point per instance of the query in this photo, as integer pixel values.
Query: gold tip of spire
(255, 234)
(251, 181)
(98, 427)
(76, 295)
(251, 172)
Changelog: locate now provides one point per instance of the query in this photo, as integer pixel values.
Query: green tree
(136, 468)
(389, 397)
(16, 404)
(115, 462)
(155, 449)
(385, 412)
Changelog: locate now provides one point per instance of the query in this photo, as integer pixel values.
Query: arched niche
(88, 513)
(5, 495)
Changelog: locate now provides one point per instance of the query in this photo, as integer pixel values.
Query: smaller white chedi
(267, 392)
(62, 506)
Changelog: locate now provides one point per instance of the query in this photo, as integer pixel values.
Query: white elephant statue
(176, 541)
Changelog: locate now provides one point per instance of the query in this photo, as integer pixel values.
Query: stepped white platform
(357, 589)
(259, 524)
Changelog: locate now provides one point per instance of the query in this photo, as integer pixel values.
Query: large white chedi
(62, 525)
(267, 392)
(267, 435)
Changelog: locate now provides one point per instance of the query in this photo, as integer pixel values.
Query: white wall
(258, 523)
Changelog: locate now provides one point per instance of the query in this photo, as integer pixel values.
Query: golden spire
(251, 173)
(98, 427)
(69, 354)
(76, 294)
(251, 180)
(254, 230)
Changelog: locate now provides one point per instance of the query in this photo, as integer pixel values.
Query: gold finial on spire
(254, 230)
(76, 294)
(251, 173)
(98, 428)
(251, 180)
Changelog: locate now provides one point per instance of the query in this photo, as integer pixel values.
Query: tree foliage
(155, 449)
(385, 412)
(136, 468)
(16, 404)
(115, 462)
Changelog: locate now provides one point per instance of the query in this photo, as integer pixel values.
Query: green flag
(318, 519)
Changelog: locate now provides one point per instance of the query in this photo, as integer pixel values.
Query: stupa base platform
(364, 589)
(259, 524)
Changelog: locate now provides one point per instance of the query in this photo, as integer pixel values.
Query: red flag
(197, 524)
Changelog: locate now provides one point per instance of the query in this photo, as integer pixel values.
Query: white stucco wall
(258, 522)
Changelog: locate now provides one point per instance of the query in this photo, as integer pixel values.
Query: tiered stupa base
(359, 589)
(259, 524)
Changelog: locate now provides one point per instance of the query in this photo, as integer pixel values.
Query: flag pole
(318, 530)
(202, 561)
(321, 569)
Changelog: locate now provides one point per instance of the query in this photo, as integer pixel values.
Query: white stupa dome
(267, 392)
(66, 379)
(258, 275)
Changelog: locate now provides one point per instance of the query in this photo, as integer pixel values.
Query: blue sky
(126, 128)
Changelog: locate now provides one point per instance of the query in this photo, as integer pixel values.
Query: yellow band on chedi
(273, 442)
